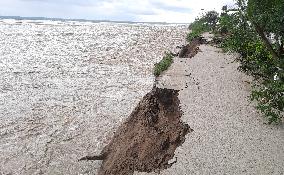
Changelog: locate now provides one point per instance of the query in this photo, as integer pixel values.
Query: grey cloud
(163, 6)
(88, 9)
(137, 11)
(68, 2)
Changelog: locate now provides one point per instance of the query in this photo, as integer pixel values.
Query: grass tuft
(163, 65)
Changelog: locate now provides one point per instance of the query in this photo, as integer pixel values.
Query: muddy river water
(66, 86)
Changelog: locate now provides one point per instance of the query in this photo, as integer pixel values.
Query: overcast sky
(129, 10)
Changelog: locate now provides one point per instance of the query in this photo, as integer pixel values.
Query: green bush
(245, 33)
(192, 35)
(199, 26)
(163, 65)
(270, 97)
(203, 24)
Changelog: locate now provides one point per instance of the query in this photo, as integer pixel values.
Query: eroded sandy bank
(229, 136)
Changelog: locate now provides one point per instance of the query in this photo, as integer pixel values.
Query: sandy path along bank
(229, 135)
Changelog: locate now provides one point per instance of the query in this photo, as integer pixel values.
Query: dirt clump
(148, 138)
(191, 49)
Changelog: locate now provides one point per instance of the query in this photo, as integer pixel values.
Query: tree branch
(260, 32)
(281, 49)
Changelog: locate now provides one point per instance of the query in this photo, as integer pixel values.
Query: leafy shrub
(270, 97)
(163, 65)
(198, 26)
(203, 24)
(246, 33)
(192, 35)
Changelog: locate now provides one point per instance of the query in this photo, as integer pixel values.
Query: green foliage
(269, 14)
(267, 17)
(163, 65)
(199, 25)
(211, 19)
(192, 35)
(270, 97)
(257, 61)
(203, 24)
(226, 22)
(245, 31)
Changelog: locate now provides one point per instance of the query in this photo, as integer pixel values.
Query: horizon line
(79, 19)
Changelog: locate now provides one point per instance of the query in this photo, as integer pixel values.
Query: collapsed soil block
(191, 49)
(148, 138)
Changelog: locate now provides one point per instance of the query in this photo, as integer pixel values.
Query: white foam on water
(66, 86)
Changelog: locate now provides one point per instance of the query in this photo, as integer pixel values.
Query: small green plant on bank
(246, 30)
(164, 64)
